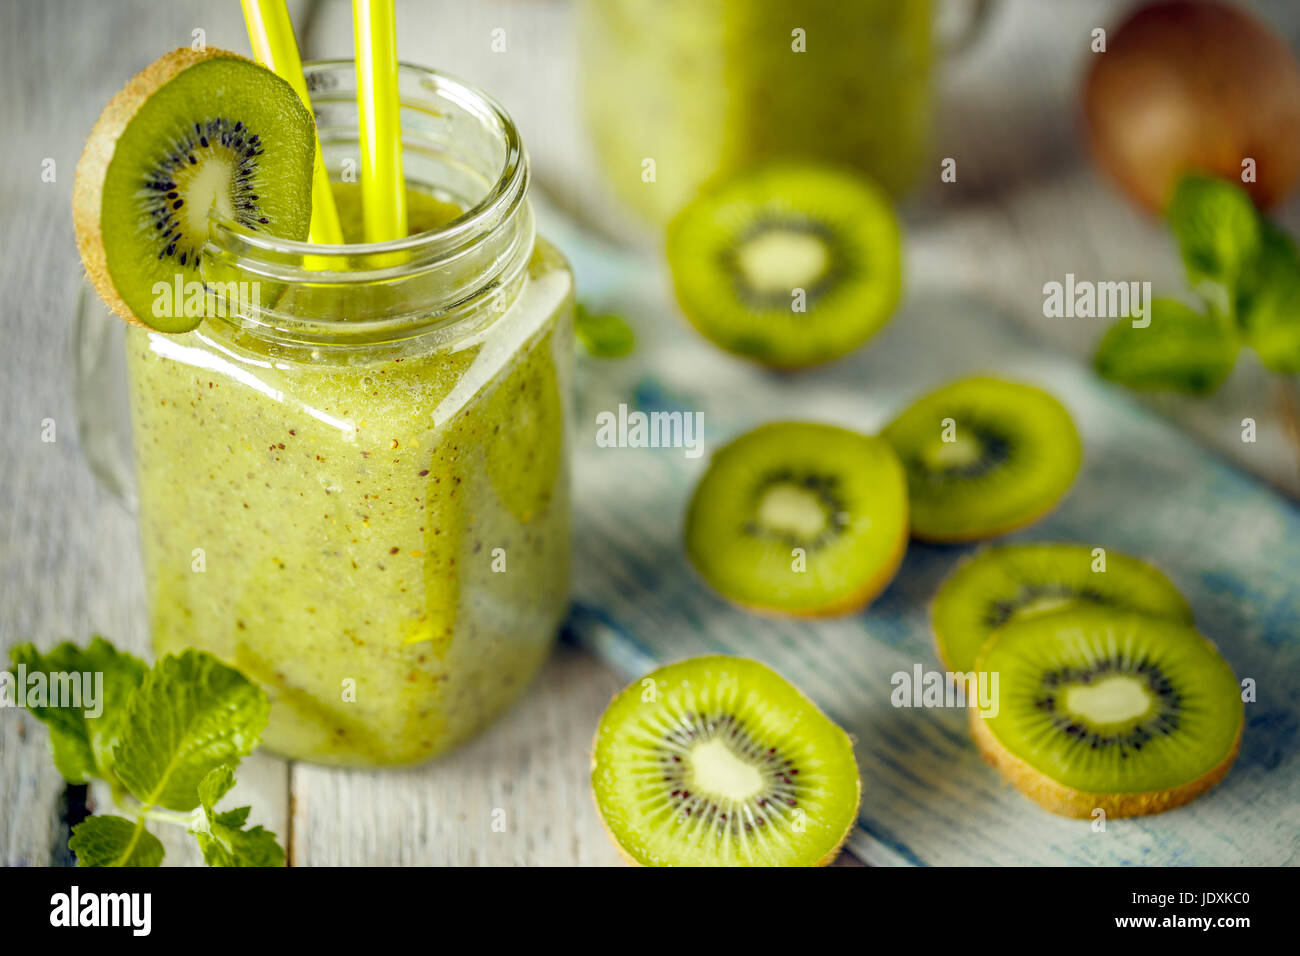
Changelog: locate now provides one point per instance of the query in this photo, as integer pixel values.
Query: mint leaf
(227, 844)
(1217, 229)
(222, 838)
(1268, 303)
(72, 755)
(215, 785)
(82, 745)
(604, 334)
(191, 715)
(114, 841)
(1181, 350)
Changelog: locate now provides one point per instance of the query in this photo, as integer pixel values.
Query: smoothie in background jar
(703, 87)
(371, 522)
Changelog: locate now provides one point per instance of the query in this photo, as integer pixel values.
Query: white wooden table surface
(1026, 209)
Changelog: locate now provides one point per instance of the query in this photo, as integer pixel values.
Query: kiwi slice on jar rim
(799, 518)
(1016, 581)
(788, 264)
(719, 761)
(196, 132)
(984, 456)
(1124, 712)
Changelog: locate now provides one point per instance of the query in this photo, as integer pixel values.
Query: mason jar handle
(102, 401)
(964, 38)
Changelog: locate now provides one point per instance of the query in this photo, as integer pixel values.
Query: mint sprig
(1246, 274)
(167, 739)
(222, 836)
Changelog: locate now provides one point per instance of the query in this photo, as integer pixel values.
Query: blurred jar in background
(702, 87)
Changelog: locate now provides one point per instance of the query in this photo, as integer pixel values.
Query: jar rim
(496, 206)
(369, 293)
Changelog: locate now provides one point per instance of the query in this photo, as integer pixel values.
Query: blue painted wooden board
(1232, 546)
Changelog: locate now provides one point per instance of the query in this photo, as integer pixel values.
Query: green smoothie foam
(382, 542)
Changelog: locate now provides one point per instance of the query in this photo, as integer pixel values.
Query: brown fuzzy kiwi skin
(92, 168)
(827, 860)
(1193, 85)
(1080, 804)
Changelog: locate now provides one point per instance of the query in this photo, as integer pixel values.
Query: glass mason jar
(354, 487)
(703, 87)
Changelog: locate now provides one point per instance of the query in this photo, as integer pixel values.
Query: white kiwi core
(781, 260)
(1042, 605)
(1118, 699)
(942, 455)
(789, 509)
(717, 770)
(203, 187)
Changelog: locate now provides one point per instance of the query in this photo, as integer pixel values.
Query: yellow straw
(271, 36)
(383, 187)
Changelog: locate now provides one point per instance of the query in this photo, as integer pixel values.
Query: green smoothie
(703, 87)
(381, 540)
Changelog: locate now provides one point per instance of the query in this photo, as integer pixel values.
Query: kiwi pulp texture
(799, 518)
(984, 456)
(194, 132)
(719, 761)
(1014, 581)
(1126, 712)
(788, 264)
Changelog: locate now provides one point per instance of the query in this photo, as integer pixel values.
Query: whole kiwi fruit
(1194, 86)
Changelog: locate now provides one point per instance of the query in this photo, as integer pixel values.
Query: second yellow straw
(383, 186)
(271, 36)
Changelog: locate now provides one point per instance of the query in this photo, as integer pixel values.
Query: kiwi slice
(799, 518)
(719, 761)
(1014, 581)
(1126, 712)
(788, 265)
(984, 456)
(197, 131)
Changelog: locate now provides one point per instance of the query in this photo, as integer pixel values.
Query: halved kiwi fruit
(196, 131)
(789, 264)
(719, 761)
(799, 518)
(1016, 581)
(984, 456)
(1128, 713)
